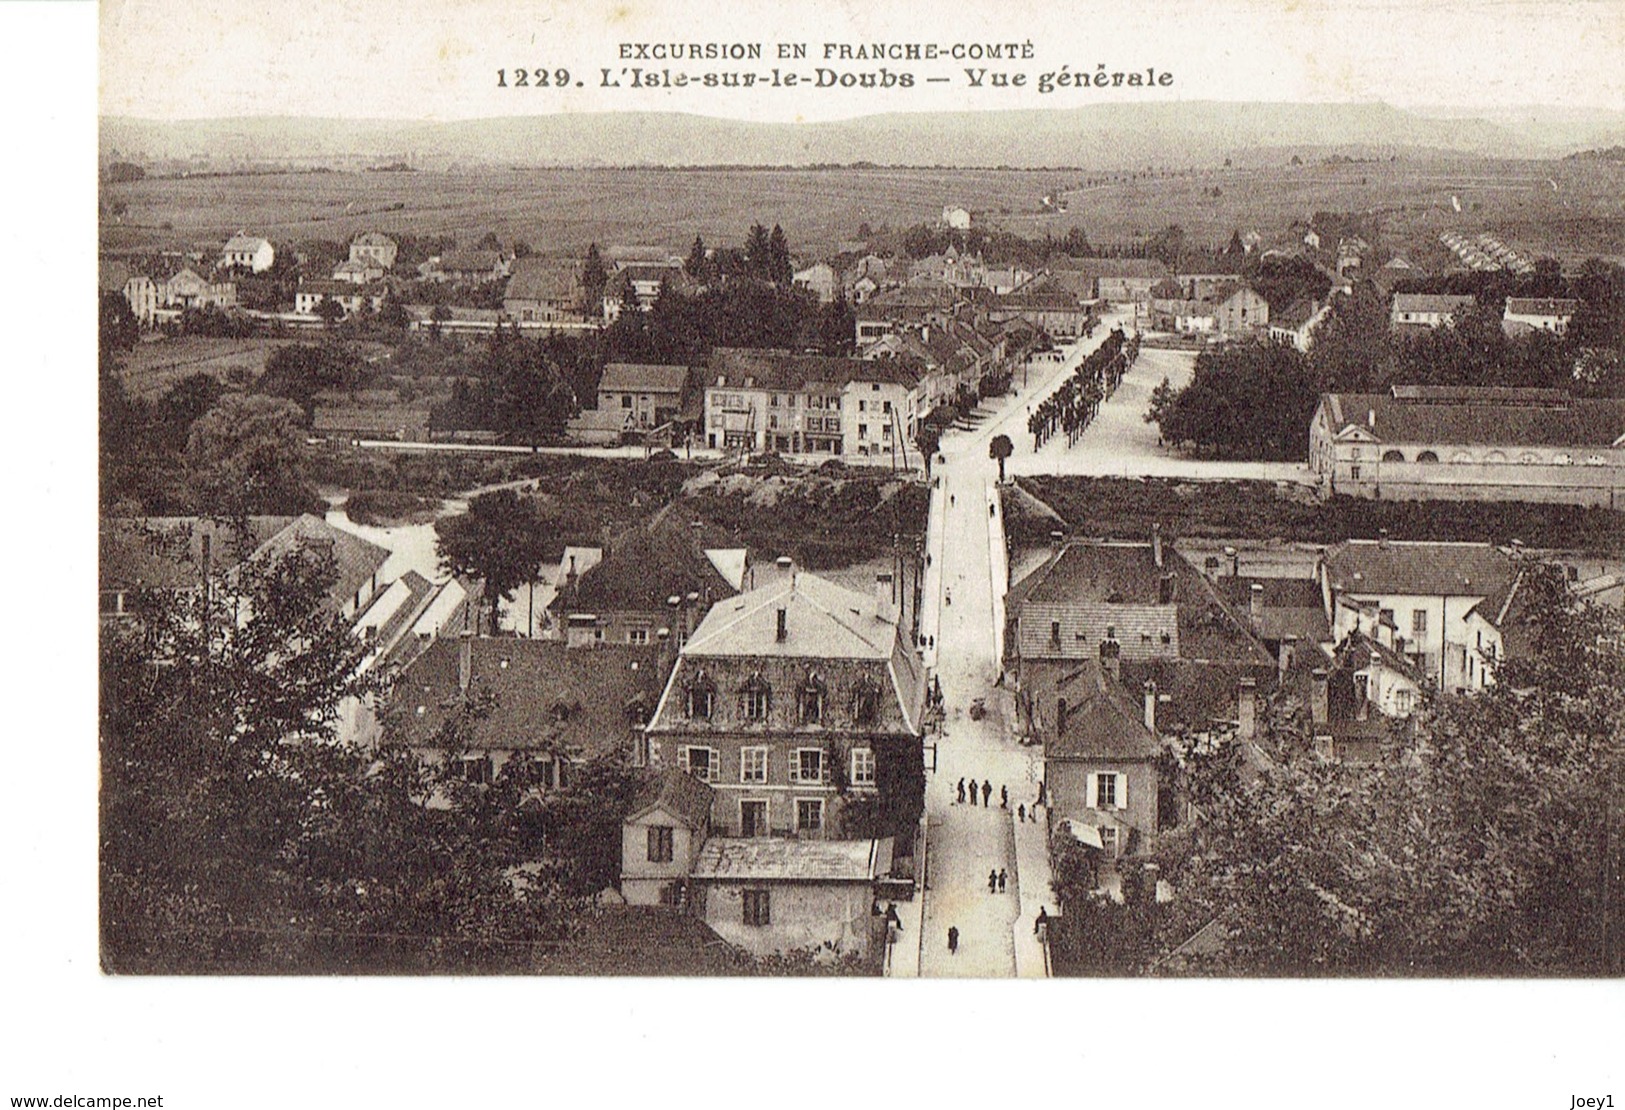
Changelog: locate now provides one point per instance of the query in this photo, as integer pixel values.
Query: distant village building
(1530, 314)
(955, 218)
(1428, 310)
(651, 395)
(249, 252)
(1471, 444)
(358, 271)
(349, 296)
(138, 290)
(820, 279)
(1295, 326)
(466, 267)
(1116, 280)
(542, 289)
(187, 290)
(370, 246)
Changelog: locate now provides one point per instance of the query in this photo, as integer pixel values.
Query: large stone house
(371, 246)
(788, 700)
(542, 289)
(1417, 311)
(1471, 444)
(771, 400)
(1523, 315)
(651, 396)
(249, 252)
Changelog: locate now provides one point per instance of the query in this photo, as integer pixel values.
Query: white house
(955, 217)
(1527, 314)
(1427, 310)
(248, 251)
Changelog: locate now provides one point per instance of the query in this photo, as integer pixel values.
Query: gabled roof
(1422, 568)
(1541, 306)
(781, 859)
(355, 559)
(1102, 720)
(676, 792)
(1432, 302)
(1291, 606)
(584, 700)
(645, 566)
(1481, 417)
(1296, 314)
(823, 621)
(373, 239)
(638, 377)
(543, 279)
(243, 243)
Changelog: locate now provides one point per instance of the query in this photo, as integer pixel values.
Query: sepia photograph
(529, 446)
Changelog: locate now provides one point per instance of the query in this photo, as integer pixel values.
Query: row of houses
(1520, 316)
(1115, 648)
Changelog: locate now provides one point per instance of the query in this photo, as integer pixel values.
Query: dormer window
(700, 697)
(866, 704)
(756, 698)
(811, 700)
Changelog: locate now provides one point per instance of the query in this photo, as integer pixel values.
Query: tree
(119, 327)
(1244, 401)
(1000, 448)
(779, 270)
(928, 439)
(594, 277)
(330, 311)
(247, 455)
(698, 263)
(498, 540)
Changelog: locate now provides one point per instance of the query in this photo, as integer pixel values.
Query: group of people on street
(995, 881)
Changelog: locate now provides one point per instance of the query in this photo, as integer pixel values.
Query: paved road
(962, 614)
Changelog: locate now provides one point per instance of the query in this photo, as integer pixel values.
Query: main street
(962, 619)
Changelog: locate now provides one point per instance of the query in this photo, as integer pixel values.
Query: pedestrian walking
(948, 596)
(1001, 880)
(1004, 797)
(953, 940)
(973, 793)
(1040, 921)
(892, 917)
(990, 510)
(987, 793)
(952, 500)
(1021, 812)
(961, 792)
(992, 882)
(1040, 792)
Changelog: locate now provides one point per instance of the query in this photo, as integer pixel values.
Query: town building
(788, 699)
(819, 279)
(546, 702)
(347, 295)
(248, 252)
(1442, 606)
(661, 837)
(649, 396)
(770, 400)
(547, 290)
(466, 267)
(358, 271)
(1115, 280)
(1295, 325)
(138, 290)
(185, 289)
(1471, 444)
(955, 217)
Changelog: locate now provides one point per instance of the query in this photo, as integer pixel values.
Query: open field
(558, 211)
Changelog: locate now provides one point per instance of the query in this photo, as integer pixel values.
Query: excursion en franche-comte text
(835, 65)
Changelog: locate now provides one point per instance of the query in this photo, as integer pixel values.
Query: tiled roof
(1291, 606)
(644, 568)
(167, 552)
(1419, 569)
(243, 243)
(543, 279)
(584, 700)
(1431, 302)
(1295, 315)
(678, 793)
(1541, 306)
(598, 420)
(374, 239)
(1103, 721)
(637, 377)
(763, 368)
(781, 859)
(356, 560)
(1588, 422)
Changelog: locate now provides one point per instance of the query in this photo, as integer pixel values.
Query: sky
(433, 59)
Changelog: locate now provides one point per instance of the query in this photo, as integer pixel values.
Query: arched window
(700, 696)
(810, 700)
(1393, 455)
(755, 698)
(1495, 457)
(1461, 457)
(1427, 457)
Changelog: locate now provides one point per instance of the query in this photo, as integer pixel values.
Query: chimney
(1060, 715)
(1247, 709)
(1150, 690)
(1255, 606)
(1165, 590)
(1285, 655)
(1235, 561)
(784, 630)
(1110, 659)
(885, 596)
(1317, 697)
(465, 660)
(1156, 545)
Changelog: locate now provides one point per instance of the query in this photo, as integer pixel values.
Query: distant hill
(1612, 154)
(1106, 136)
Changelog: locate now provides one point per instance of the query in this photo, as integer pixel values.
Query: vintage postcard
(1003, 491)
